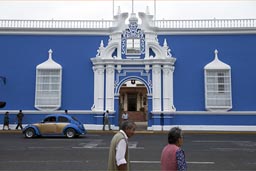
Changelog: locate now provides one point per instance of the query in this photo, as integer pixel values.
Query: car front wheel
(30, 133)
(70, 133)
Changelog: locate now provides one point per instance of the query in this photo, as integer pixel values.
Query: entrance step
(141, 126)
(137, 116)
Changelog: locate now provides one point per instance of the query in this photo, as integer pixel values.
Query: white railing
(206, 24)
(57, 24)
(104, 24)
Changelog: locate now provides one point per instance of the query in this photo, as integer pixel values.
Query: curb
(88, 132)
(145, 132)
(10, 131)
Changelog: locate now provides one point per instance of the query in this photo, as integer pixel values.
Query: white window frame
(133, 46)
(218, 94)
(48, 89)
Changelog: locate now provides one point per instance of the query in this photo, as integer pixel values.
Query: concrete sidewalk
(145, 132)
(89, 132)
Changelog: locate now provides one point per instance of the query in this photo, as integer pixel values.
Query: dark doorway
(132, 101)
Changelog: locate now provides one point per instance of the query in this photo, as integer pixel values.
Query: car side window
(63, 119)
(50, 119)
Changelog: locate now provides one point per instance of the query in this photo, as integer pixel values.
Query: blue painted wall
(193, 52)
(20, 54)
(35, 118)
(210, 119)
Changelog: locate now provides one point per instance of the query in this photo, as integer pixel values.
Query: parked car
(55, 124)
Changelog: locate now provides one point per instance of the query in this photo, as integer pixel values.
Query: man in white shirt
(125, 116)
(118, 151)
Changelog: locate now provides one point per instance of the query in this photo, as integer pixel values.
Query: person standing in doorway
(20, 116)
(173, 157)
(106, 120)
(6, 120)
(125, 116)
(118, 158)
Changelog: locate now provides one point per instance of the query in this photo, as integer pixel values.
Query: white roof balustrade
(104, 24)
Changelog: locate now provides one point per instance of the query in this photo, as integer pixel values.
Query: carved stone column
(125, 102)
(138, 102)
(168, 88)
(98, 87)
(156, 87)
(110, 76)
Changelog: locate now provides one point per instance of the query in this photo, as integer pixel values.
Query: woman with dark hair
(173, 157)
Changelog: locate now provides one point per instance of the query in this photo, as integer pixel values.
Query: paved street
(90, 152)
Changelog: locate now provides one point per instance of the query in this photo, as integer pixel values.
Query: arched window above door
(133, 40)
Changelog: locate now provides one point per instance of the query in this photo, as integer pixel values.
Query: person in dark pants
(6, 120)
(118, 158)
(106, 120)
(20, 116)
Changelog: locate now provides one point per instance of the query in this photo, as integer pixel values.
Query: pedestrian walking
(125, 116)
(173, 157)
(106, 120)
(6, 120)
(118, 158)
(20, 116)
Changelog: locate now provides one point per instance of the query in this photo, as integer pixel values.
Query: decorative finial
(216, 54)
(50, 54)
(167, 49)
(133, 19)
(132, 6)
(147, 11)
(101, 43)
(119, 10)
(165, 43)
(101, 48)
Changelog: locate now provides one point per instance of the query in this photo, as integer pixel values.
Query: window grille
(218, 94)
(218, 90)
(221, 82)
(48, 85)
(133, 46)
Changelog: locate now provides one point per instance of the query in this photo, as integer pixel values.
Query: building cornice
(99, 61)
(206, 31)
(38, 31)
(106, 32)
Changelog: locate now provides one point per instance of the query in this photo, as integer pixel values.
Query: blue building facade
(169, 62)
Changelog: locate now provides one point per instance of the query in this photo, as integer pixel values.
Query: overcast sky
(164, 9)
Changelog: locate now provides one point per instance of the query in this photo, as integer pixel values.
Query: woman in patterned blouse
(173, 157)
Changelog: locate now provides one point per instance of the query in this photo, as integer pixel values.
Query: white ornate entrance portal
(133, 53)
